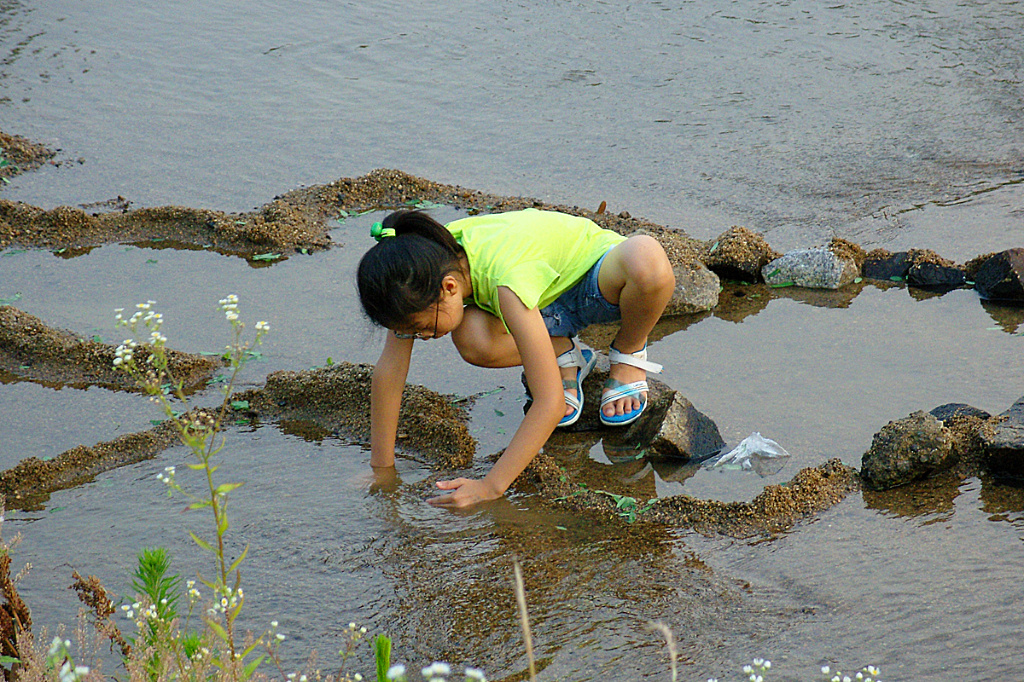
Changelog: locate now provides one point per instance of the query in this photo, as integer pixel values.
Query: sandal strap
(637, 359)
(572, 400)
(616, 390)
(572, 357)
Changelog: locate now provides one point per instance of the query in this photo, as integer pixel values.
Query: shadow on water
(819, 372)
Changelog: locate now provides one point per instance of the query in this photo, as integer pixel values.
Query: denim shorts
(580, 306)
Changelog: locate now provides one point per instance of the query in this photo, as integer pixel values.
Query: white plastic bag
(763, 455)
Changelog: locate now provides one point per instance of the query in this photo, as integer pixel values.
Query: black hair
(402, 275)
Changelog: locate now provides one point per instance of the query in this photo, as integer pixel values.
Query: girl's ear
(450, 285)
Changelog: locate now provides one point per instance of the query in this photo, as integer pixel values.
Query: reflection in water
(590, 587)
(936, 495)
(1003, 500)
(1009, 317)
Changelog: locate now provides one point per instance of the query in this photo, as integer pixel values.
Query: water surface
(896, 124)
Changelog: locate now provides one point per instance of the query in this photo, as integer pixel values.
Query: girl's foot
(624, 397)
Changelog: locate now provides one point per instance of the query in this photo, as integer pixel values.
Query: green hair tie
(378, 232)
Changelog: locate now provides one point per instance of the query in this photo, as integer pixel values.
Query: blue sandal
(583, 359)
(617, 390)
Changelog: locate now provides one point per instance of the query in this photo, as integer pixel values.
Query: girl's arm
(386, 399)
(542, 375)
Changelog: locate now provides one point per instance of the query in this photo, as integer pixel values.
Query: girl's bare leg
(637, 276)
(482, 340)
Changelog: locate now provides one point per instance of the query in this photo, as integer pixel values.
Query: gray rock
(813, 268)
(675, 429)
(696, 290)
(670, 427)
(1003, 442)
(906, 450)
(1001, 277)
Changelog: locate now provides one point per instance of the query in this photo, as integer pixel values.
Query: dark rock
(928, 269)
(907, 450)
(883, 265)
(1001, 277)
(934, 275)
(1003, 442)
(946, 412)
(820, 268)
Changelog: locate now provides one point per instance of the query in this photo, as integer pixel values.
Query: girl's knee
(481, 339)
(647, 264)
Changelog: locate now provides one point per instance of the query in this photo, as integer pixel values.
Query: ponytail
(402, 275)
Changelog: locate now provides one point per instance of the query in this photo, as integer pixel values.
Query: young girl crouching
(512, 289)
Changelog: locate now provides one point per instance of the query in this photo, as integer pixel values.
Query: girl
(512, 289)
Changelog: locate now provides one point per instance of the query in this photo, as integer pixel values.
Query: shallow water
(896, 124)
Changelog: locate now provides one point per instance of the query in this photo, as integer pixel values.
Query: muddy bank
(336, 400)
(28, 484)
(18, 155)
(32, 351)
(776, 509)
(291, 223)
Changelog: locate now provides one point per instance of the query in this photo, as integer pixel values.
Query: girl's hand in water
(465, 493)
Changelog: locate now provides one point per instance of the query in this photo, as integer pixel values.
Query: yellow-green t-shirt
(539, 255)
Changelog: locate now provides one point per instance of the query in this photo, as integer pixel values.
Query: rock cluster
(741, 255)
(950, 437)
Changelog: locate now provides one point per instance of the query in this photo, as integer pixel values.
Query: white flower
(273, 623)
(262, 326)
(436, 669)
(279, 637)
(475, 674)
(825, 670)
(396, 672)
(357, 677)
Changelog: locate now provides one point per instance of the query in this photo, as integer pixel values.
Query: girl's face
(436, 321)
